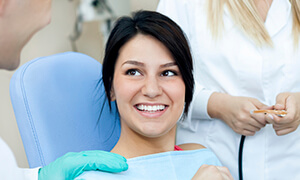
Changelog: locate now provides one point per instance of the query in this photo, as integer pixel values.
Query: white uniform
(9, 169)
(235, 65)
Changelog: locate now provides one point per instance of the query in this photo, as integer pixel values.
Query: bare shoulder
(191, 146)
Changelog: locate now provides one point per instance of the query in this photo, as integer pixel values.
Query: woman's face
(148, 87)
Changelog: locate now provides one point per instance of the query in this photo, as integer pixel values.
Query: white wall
(54, 39)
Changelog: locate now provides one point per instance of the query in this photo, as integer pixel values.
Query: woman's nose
(151, 87)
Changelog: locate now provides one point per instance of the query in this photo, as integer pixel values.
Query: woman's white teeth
(151, 108)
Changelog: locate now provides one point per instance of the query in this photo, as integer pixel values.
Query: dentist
(19, 21)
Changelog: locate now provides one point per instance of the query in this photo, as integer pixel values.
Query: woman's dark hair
(160, 27)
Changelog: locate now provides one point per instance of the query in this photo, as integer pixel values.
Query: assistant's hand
(210, 172)
(289, 123)
(235, 112)
(73, 164)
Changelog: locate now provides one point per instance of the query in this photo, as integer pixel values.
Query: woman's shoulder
(191, 146)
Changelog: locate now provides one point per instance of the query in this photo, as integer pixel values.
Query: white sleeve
(9, 169)
(199, 104)
(30, 174)
(188, 128)
(8, 165)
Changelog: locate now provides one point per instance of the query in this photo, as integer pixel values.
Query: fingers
(285, 131)
(246, 132)
(100, 154)
(280, 121)
(210, 172)
(282, 125)
(99, 160)
(248, 128)
(290, 122)
(281, 101)
(248, 124)
(279, 106)
(254, 124)
(252, 128)
(290, 102)
(225, 172)
(259, 119)
(107, 161)
(260, 105)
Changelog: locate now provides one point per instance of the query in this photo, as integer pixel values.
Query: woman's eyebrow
(133, 62)
(137, 63)
(168, 65)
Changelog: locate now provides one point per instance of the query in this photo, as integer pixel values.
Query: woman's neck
(263, 7)
(132, 144)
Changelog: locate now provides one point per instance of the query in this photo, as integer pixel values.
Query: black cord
(95, 3)
(241, 157)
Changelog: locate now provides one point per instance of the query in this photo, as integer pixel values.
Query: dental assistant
(19, 21)
(247, 57)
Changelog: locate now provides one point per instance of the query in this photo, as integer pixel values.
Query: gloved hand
(73, 164)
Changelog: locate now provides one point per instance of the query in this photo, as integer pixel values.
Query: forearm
(216, 105)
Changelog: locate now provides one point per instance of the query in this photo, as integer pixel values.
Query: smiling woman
(147, 70)
(150, 94)
(151, 80)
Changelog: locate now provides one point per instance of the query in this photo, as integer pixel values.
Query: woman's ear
(112, 94)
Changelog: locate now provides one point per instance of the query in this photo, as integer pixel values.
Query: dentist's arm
(72, 165)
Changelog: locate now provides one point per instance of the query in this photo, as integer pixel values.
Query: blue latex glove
(73, 164)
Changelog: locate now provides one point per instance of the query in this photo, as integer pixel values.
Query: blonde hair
(245, 14)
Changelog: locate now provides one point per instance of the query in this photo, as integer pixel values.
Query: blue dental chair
(60, 106)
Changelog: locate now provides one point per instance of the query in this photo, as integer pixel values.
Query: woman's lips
(151, 111)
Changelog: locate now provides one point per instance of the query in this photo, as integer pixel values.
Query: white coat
(9, 169)
(235, 65)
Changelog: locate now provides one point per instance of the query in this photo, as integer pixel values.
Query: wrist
(216, 104)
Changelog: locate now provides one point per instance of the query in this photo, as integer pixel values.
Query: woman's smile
(151, 111)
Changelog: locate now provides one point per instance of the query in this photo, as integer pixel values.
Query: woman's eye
(133, 72)
(168, 73)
